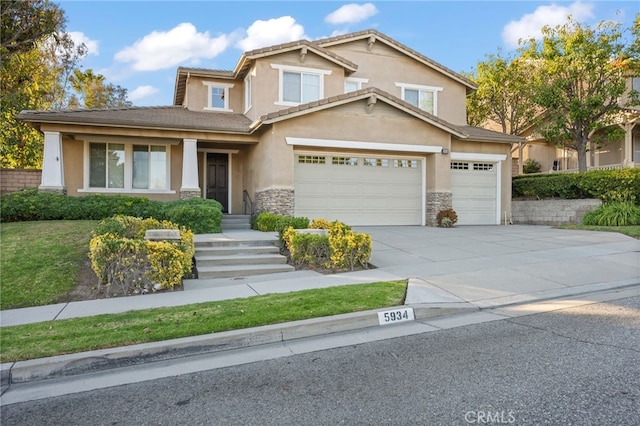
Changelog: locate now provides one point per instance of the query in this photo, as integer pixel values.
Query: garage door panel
(474, 194)
(360, 195)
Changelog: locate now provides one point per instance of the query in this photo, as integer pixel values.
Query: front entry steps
(235, 258)
(235, 221)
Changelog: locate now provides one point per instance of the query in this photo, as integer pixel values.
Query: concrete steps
(229, 258)
(236, 221)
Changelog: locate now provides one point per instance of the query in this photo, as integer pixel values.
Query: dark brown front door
(218, 179)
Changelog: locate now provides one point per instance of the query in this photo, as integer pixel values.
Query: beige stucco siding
(197, 98)
(384, 66)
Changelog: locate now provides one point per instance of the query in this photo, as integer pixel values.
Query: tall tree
(504, 94)
(26, 22)
(92, 91)
(583, 73)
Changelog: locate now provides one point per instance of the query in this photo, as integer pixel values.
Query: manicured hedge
(270, 222)
(196, 214)
(606, 185)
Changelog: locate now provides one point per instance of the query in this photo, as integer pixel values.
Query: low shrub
(447, 218)
(606, 185)
(531, 166)
(614, 214)
(270, 222)
(320, 224)
(341, 248)
(197, 214)
(128, 264)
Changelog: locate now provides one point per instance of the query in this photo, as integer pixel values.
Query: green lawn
(50, 338)
(39, 261)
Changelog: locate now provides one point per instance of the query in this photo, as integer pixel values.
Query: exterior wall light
(445, 151)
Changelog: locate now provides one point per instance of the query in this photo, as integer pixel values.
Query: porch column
(52, 164)
(190, 187)
(628, 143)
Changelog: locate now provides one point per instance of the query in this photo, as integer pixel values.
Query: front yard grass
(39, 261)
(51, 338)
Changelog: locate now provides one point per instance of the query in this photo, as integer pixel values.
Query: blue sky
(139, 44)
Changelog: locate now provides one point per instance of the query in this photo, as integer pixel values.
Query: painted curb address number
(396, 315)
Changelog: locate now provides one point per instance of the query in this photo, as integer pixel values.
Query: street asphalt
(452, 273)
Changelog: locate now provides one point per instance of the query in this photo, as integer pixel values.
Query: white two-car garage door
(359, 190)
(474, 190)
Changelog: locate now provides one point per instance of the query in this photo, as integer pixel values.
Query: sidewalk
(463, 269)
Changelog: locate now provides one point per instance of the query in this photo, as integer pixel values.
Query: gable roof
(246, 60)
(373, 94)
(375, 36)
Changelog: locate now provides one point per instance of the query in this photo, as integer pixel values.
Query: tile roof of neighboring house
(330, 41)
(486, 135)
(166, 117)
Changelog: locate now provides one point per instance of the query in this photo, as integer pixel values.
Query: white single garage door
(359, 190)
(474, 191)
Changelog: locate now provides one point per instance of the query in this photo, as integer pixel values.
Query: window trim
(248, 81)
(421, 88)
(128, 168)
(210, 86)
(357, 81)
(299, 70)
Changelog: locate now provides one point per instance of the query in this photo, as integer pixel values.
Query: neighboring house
(615, 154)
(357, 128)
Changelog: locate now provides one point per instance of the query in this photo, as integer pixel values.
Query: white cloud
(274, 31)
(92, 45)
(142, 92)
(166, 49)
(552, 15)
(351, 14)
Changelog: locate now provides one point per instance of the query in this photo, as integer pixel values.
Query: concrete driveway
(497, 265)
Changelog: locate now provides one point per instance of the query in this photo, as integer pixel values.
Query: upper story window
(423, 97)
(635, 84)
(218, 96)
(352, 84)
(298, 85)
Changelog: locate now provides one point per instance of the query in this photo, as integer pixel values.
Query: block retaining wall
(12, 180)
(551, 212)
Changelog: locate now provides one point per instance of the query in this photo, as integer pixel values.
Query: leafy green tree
(504, 94)
(26, 22)
(583, 73)
(91, 91)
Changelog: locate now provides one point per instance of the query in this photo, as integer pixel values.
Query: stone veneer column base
(278, 201)
(185, 195)
(436, 202)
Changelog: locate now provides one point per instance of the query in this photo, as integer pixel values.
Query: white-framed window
(403, 163)
(635, 84)
(217, 96)
(423, 97)
(457, 165)
(352, 84)
(312, 159)
(298, 85)
(127, 167)
(376, 162)
(344, 161)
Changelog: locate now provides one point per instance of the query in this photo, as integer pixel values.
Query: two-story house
(358, 128)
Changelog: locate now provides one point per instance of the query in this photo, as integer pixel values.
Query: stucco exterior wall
(384, 66)
(197, 98)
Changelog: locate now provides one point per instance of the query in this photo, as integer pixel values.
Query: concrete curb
(107, 359)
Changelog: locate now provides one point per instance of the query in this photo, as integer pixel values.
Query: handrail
(248, 202)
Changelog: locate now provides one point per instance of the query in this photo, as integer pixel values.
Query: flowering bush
(341, 248)
(123, 260)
